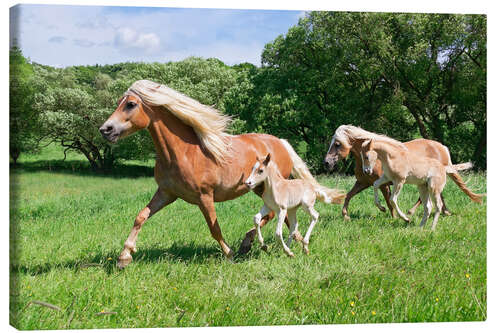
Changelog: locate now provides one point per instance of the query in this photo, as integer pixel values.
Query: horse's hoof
(298, 237)
(305, 249)
(264, 248)
(290, 254)
(347, 218)
(230, 255)
(123, 261)
(245, 246)
(447, 212)
(382, 209)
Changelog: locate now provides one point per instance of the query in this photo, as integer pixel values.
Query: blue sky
(62, 36)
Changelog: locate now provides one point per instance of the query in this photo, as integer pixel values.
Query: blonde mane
(348, 133)
(208, 123)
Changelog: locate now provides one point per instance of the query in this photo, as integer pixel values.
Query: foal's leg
(315, 215)
(279, 232)
(246, 243)
(256, 220)
(445, 210)
(424, 197)
(376, 185)
(412, 210)
(358, 187)
(386, 192)
(208, 209)
(292, 216)
(160, 199)
(436, 198)
(394, 199)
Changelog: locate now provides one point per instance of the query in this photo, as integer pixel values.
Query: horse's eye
(130, 105)
(337, 144)
(260, 171)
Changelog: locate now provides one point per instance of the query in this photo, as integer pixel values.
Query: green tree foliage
(405, 75)
(23, 120)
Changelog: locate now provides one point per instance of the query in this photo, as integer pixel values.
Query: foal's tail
(301, 171)
(452, 171)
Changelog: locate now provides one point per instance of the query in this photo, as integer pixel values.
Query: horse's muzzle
(329, 162)
(109, 132)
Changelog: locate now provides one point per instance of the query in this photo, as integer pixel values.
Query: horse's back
(431, 149)
(258, 145)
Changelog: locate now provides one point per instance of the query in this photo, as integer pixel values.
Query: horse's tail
(452, 171)
(301, 171)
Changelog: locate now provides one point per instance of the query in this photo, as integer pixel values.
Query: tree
(23, 120)
(404, 75)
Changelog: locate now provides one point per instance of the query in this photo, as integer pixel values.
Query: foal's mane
(208, 123)
(349, 133)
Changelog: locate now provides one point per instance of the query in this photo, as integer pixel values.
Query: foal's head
(130, 116)
(260, 172)
(368, 156)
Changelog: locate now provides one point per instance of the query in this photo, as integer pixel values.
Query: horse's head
(338, 151)
(130, 116)
(259, 172)
(368, 156)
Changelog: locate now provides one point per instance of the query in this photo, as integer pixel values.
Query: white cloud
(129, 39)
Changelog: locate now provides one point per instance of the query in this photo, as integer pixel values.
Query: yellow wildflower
(352, 303)
(437, 299)
(374, 313)
(467, 276)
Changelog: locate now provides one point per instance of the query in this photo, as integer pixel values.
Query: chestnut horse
(196, 160)
(348, 138)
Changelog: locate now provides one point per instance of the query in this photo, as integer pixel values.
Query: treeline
(404, 75)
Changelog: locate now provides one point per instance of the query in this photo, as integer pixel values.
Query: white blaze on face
(331, 143)
(250, 179)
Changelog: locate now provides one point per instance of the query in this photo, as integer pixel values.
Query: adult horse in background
(348, 138)
(196, 160)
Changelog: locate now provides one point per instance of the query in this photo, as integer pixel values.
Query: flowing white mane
(208, 123)
(348, 133)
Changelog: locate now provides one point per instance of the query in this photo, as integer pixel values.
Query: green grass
(68, 227)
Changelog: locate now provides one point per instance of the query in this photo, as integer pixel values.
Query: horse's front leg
(394, 199)
(160, 199)
(207, 207)
(256, 220)
(279, 232)
(379, 182)
(358, 187)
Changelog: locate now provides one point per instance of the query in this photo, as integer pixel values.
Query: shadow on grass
(82, 168)
(189, 253)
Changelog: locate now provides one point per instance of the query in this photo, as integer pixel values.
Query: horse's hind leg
(445, 210)
(315, 215)
(160, 199)
(412, 210)
(207, 207)
(292, 216)
(279, 232)
(386, 192)
(439, 206)
(358, 187)
(426, 200)
(246, 243)
(256, 220)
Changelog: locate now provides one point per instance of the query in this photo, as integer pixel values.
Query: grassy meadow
(68, 226)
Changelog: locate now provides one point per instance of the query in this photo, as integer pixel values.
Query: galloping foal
(401, 166)
(287, 195)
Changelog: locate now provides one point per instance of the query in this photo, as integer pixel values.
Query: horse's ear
(268, 158)
(368, 144)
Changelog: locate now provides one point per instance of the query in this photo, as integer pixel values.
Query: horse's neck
(386, 152)
(271, 182)
(171, 137)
